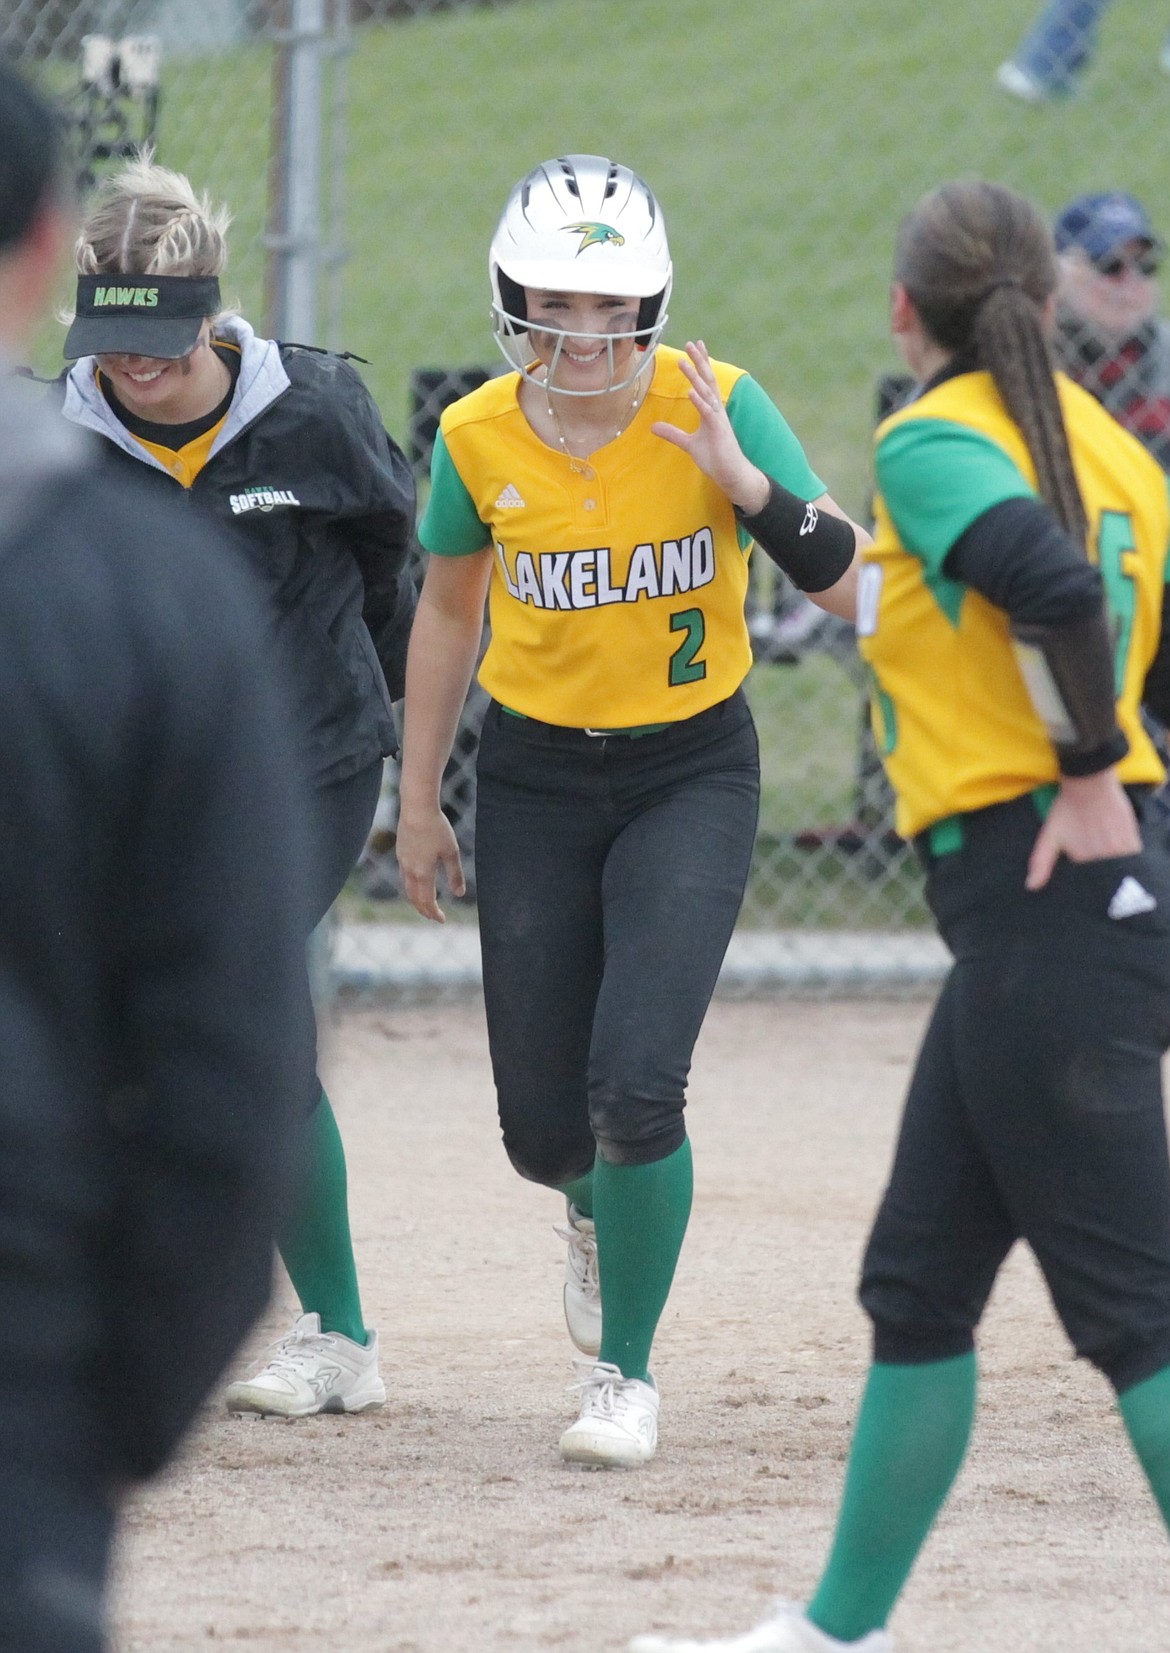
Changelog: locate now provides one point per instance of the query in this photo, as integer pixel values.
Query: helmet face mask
(580, 224)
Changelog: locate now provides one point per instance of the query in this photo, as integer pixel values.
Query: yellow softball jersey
(951, 713)
(618, 585)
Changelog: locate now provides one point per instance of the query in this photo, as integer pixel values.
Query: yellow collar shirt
(953, 718)
(618, 584)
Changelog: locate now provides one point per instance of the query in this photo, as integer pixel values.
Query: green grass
(783, 137)
(214, 126)
(808, 717)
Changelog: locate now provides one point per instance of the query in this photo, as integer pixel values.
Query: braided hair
(978, 264)
(148, 220)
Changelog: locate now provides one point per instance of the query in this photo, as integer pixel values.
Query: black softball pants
(1035, 1109)
(340, 817)
(610, 872)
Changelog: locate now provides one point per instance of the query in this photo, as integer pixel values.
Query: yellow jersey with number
(951, 713)
(618, 584)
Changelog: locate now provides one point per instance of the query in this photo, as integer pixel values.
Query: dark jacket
(321, 502)
(151, 958)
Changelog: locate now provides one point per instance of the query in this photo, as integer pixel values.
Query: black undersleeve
(1019, 557)
(812, 546)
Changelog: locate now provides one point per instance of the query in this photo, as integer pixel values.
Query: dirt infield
(445, 1523)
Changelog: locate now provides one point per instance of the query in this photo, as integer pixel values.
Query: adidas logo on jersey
(510, 499)
(1129, 899)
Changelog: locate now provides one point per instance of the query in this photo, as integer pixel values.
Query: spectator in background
(1052, 57)
(1109, 337)
(151, 953)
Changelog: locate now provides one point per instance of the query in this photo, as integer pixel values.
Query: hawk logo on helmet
(595, 235)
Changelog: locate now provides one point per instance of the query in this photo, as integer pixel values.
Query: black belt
(949, 835)
(563, 734)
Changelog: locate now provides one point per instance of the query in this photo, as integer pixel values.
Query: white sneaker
(617, 1427)
(582, 1289)
(785, 1630)
(312, 1371)
(1019, 83)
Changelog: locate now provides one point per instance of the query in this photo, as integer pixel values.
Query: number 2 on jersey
(684, 668)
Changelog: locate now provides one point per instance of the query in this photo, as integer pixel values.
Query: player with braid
(284, 448)
(607, 491)
(1011, 610)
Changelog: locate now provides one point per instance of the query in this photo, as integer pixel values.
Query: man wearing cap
(150, 895)
(1109, 337)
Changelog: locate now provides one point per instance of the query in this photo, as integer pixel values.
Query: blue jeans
(611, 873)
(1061, 42)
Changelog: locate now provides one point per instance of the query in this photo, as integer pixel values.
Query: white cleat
(582, 1288)
(312, 1371)
(785, 1630)
(617, 1427)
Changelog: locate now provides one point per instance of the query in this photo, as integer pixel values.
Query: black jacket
(151, 960)
(321, 502)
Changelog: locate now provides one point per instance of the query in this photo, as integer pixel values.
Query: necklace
(578, 465)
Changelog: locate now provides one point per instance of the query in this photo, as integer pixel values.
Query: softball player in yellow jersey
(1008, 671)
(607, 492)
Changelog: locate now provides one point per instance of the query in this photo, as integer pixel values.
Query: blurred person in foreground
(1109, 336)
(149, 901)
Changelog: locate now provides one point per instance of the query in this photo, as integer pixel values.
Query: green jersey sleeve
(768, 440)
(936, 477)
(450, 525)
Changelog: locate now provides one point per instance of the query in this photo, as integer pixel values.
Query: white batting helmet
(580, 224)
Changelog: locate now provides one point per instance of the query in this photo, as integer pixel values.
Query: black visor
(137, 315)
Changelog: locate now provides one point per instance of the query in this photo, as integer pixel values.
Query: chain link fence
(784, 143)
(193, 78)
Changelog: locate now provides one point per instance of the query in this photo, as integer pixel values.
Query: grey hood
(262, 379)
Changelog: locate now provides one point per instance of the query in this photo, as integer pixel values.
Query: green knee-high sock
(641, 1214)
(579, 1193)
(314, 1242)
(1145, 1411)
(911, 1434)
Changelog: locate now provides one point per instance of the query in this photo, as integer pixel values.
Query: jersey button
(589, 504)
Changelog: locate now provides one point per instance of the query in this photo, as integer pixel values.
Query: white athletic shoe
(312, 1371)
(582, 1290)
(1020, 83)
(785, 1630)
(617, 1427)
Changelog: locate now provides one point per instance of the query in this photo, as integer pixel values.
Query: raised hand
(714, 446)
